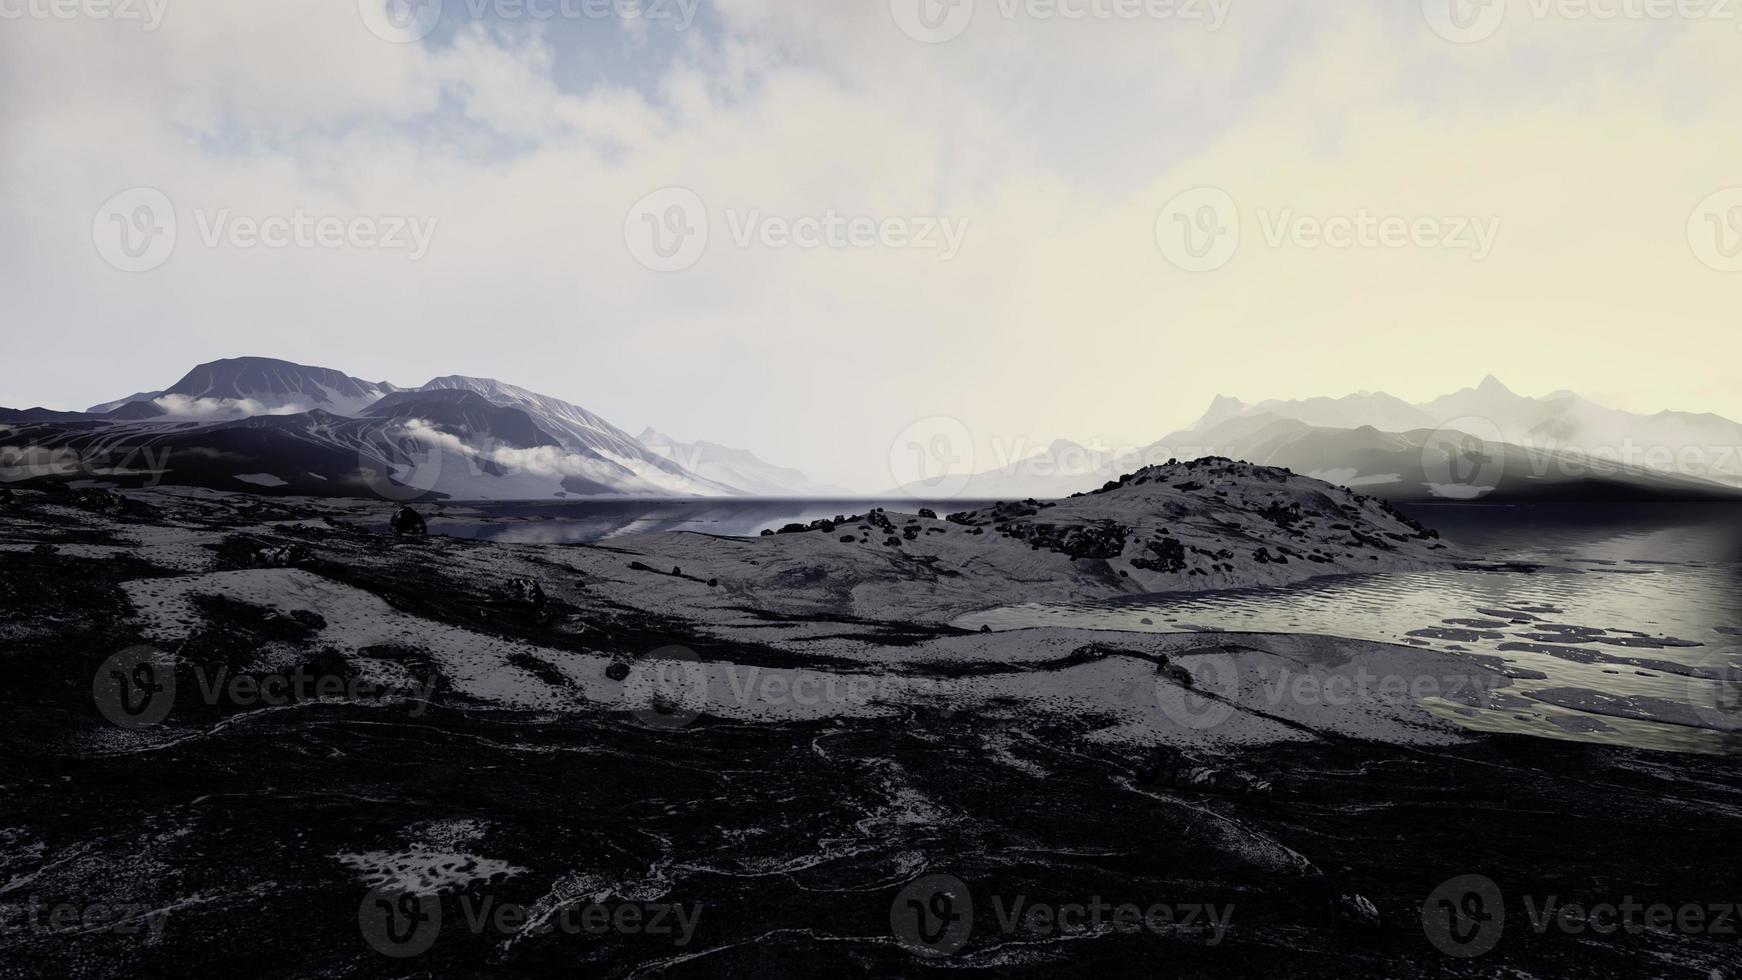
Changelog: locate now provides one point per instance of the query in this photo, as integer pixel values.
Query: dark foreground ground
(248, 840)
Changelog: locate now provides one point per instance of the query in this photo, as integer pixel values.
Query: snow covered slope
(580, 431)
(505, 442)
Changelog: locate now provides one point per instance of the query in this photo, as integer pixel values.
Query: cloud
(217, 409)
(1059, 142)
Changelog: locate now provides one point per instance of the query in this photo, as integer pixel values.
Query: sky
(814, 229)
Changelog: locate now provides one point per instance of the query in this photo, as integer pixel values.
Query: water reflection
(1628, 628)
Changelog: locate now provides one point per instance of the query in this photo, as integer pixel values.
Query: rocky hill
(1197, 526)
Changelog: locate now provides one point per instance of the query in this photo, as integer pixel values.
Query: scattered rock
(1357, 911)
(408, 523)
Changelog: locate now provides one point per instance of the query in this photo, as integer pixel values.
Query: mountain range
(274, 426)
(1485, 442)
(291, 428)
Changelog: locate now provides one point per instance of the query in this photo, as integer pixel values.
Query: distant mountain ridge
(302, 429)
(1484, 442)
(737, 468)
(296, 428)
(1695, 445)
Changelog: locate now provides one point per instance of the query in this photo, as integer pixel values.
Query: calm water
(1640, 608)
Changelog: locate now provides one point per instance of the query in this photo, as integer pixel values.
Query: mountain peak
(1222, 408)
(1492, 386)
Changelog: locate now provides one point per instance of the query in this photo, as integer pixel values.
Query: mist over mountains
(292, 428)
(1484, 442)
(275, 426)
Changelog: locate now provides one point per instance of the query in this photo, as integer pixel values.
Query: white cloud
(1058, 142)
(218, 409)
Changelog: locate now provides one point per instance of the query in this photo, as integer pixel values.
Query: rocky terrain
(1198, 526)
(272, 738)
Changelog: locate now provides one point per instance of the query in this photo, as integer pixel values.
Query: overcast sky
(801, 226)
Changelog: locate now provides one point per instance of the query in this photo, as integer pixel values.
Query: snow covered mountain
(1701, 446)
(301, 429)
(1483, 443)
(581, 432)
(737, 468)
(239, 387)
(1441, 463)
